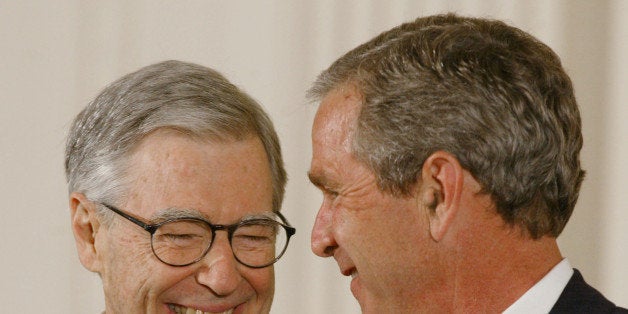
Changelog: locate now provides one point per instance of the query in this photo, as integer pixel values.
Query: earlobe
(85, 226)
(442, 179)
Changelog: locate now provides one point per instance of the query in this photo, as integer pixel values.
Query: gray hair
(490, 94)
(193, 99)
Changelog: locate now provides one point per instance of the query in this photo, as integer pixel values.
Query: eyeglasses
(255, 243)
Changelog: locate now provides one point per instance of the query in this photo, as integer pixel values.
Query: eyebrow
(181, 213)
(322, 182)
(175, 213)
(266, 215)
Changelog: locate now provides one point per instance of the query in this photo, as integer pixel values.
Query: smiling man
(176, 180)
(447, 150)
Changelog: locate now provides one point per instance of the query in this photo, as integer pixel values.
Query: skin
(171, 172)
(359, 225)
(441, 249)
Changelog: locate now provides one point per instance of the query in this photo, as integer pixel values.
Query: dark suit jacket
(579, 297)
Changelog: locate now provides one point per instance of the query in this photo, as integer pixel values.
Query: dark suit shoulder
(579, 297)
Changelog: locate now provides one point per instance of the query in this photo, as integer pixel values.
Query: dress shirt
(544, 294)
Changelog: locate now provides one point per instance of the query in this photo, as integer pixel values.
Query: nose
(219, 271)
(323, 241)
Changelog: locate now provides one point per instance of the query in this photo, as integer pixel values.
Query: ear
(85, 225)
(442, 180)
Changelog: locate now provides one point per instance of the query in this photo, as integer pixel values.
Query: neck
(488, 273)
(497, 281)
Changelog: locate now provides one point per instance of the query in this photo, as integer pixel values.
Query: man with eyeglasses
(447, 150)
(176, 180)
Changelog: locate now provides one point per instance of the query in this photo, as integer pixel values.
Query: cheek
(352, 218)
(263, 283)
(262, 280)
(388, 228)
(131, 248)
(128, 265)
(358, 233)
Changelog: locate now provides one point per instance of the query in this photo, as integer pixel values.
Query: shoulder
(580, 297)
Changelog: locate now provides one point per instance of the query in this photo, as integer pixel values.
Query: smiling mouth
(187, 310)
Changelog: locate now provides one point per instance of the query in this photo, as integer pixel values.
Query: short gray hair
(193, 99)
(490, 94)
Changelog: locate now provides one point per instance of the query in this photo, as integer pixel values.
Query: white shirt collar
(544, 294)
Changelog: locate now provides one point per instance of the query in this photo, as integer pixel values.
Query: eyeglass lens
(255, 243)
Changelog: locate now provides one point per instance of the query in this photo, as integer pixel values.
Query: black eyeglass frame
(152, 228)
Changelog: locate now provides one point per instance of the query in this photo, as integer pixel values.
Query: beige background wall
(56, 55)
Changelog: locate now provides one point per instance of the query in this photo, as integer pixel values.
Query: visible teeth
(354, 274)
(186, 310)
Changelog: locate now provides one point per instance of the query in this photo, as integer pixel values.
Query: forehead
(222, 180)
(336, 117)
(333, 127)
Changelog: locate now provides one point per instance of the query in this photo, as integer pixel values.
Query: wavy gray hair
(191, 98)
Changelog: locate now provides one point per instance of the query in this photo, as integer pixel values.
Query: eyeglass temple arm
(291, 230)
(145, 226)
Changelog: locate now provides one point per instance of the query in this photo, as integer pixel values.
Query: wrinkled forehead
(223, 181)
(336, 117)
(332, 135)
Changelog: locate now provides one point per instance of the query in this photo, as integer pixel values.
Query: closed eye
(254, 238)
(179, 236)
